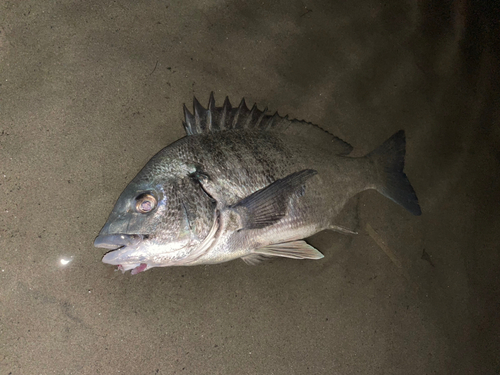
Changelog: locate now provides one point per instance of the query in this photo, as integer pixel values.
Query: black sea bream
(244, 184)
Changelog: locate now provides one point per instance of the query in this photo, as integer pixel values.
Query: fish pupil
(146, 206)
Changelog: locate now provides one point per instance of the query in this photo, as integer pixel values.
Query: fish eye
(145, 203)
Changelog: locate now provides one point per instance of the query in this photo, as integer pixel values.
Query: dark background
(90, 90)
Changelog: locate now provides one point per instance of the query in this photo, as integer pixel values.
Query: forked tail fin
(389, 161)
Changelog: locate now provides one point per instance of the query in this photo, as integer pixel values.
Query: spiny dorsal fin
(214, 119)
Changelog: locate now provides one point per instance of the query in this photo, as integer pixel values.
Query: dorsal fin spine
(240, 112)
(211, 114)
(189, 120)
(271, 121)
(250, 117)
(199, 114)
(226, 112)
(211, 102)
(261, 117)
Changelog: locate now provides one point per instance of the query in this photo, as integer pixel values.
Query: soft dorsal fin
(214, 119)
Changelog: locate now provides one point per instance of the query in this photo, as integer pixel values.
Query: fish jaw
(119, 258)
(123, 251)
(116, 241)
(139, 253)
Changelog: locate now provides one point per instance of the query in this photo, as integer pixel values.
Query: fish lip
(113, 258)
(110, 257)
(117, 244)
(117, 241)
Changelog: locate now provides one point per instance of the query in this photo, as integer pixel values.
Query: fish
(245, 184)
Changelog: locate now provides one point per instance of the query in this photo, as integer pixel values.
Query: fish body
(243, 184)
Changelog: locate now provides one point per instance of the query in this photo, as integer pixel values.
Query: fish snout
(115, 241)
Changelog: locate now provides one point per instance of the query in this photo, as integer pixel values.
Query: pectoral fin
(268, 205)
(295, 250)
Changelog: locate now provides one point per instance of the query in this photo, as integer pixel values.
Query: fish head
(158, 220)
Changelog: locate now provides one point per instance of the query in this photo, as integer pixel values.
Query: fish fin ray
(341, 229)
(189, 123)
(241, 115)
(254, 259)
(214, 119)
(200, 117)
(268, 205)
(294, 250)
(225, 118)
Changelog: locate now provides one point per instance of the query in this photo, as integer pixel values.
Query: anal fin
(295, 250)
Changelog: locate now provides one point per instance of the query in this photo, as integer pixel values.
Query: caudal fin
(389, 160)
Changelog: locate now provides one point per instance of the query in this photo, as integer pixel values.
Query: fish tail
(389, 161)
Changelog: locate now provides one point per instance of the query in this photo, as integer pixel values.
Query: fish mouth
(119, 244)
(117, 241)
